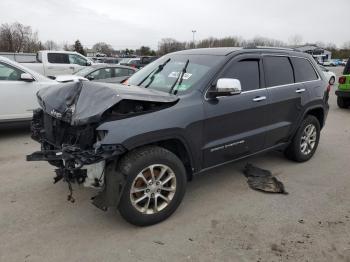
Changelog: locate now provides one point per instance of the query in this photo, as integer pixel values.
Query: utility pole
(193, 32)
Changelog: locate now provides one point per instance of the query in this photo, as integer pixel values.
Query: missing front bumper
(84, 161)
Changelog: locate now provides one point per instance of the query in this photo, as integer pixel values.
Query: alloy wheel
(153, 189)
(308, 139)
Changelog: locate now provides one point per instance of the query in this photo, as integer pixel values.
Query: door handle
(300, 90)
(259, 98)
(71, 67)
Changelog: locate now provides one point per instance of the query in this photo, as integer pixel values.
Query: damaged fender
(113, 188)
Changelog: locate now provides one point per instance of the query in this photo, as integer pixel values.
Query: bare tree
(223, 42)
(104, 48)
(264, 41)
(67, 47)
(168, 45)
(50, 45)
(18, 38)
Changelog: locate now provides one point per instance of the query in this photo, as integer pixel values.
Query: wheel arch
(317, 112)
(177, 146)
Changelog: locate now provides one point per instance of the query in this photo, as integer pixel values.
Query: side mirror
(88, 63)
(27, 77)
(90, 77)
(226, 87)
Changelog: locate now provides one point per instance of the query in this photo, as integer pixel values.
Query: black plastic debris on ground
(263, 180)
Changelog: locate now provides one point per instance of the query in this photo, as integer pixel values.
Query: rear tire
(305, 141)
(342, 102)
(143, 169)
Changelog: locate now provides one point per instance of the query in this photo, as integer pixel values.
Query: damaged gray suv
(187, 112)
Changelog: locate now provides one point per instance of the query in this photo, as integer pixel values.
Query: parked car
(326, 63)
(127, 61)
(106, 60)
(343, 62)
(186, 113)
(343, 92)
(53, 63)
(18, 86)
(328, 74)
(139, 62)
(335, 62)
(100, 73)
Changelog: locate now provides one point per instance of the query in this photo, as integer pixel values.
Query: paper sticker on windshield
(176, 75)
(187, 76)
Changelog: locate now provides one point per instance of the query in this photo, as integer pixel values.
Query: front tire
(305, 141)
(155, 185)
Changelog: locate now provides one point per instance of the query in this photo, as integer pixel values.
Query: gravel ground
(221, 218)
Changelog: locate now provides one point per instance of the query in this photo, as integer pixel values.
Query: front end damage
(78, 156)
(66, 127)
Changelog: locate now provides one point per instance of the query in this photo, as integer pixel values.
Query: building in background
(319, 53)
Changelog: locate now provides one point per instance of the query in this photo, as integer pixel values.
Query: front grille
(58, 133)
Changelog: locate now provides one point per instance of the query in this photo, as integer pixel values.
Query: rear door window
(103, 73)
(278, 71)
(303, 70)
(57, 58)
(246, 71)
(118, 72)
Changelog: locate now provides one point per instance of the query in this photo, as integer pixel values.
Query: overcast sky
(131, 23)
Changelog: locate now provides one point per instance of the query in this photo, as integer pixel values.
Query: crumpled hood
(83, 102)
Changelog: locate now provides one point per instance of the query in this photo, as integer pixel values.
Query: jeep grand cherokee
(184, 113)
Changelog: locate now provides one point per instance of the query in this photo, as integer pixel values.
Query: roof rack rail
(270, 47)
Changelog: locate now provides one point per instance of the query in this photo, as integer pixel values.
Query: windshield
(174, 72)
(85, 71)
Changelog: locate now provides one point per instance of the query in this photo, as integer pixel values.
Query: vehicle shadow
(14, 129)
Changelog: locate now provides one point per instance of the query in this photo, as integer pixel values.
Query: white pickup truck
(53, 63)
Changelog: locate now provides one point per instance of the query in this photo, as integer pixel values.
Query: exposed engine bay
(66, 124)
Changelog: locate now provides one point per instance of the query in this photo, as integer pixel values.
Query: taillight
(342, 80)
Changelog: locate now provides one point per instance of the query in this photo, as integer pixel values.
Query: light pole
(193, 32)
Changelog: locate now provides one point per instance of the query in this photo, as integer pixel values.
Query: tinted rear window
(247, 72)
(347, 68)
(303, 70)
(278, 71)
(56, 58)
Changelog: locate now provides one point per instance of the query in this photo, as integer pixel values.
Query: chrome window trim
(318, 76)
(277, 86)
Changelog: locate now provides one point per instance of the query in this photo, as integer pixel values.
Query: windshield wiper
(183, 71)
(154, 72)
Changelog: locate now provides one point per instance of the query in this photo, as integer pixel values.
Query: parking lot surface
(220, 219)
